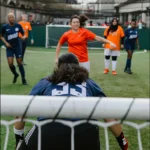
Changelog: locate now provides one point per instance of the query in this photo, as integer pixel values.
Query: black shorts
(55, 136)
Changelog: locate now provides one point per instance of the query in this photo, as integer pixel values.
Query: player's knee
(130, 55)
(107, 57)
(114, 58)
(19, 62)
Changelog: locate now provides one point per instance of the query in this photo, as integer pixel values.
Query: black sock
(21, 69)
(120, 140)
(128, 63)
(18, 138)
(13, 70)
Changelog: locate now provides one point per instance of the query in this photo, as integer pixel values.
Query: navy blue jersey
(85, 89)
(11, 33)
(130, 36)
(88, 88)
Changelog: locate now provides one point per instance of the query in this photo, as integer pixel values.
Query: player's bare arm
(24, 37)
(122, 42)
(5, 42)
(100, 39)
(57, 52)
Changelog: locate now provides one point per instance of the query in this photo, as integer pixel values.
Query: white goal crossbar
(64, 26)
(76, 107)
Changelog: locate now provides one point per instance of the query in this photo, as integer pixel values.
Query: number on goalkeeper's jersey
(67, 89)
(88, 88)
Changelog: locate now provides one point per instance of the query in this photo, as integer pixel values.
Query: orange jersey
(114, 37)
(77, 42)
(26, 27)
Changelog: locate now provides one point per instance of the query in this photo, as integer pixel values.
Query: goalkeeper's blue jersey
(85, 89)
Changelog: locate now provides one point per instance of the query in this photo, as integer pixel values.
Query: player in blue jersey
(9, 35)
(68, 79)
(131, 38)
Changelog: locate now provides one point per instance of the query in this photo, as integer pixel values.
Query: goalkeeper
(68, 79)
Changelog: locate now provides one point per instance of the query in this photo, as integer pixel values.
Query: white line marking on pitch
(30, 51)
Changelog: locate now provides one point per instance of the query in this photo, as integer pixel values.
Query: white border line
(90, 53)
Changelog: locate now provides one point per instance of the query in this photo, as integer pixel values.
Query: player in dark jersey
(69, 79)
(131, 37)
(9, 35)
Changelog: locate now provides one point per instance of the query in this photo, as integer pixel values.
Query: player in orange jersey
(77, 38)
(115, 34)
(28, 31)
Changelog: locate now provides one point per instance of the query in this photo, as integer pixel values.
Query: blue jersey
(85, 89)
(130, 36)
(11, 33)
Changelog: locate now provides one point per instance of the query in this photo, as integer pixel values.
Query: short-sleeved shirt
(85, 89)
(130, 36)
(26, 27)
(11, 33)
(77, 42)
(114, 37)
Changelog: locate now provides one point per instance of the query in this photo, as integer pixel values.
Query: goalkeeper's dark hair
(82, 19)
(68, 70)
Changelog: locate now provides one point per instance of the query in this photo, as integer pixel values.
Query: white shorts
(86, 65)
(108, 52)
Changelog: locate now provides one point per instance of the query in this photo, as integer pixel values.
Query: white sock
(107, 62)
(18, 132)
(114, 64)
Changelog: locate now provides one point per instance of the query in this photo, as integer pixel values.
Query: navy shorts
(129, 46)
(16, 50)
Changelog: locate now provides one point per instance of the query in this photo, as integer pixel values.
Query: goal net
(54, 32)
(85, 108)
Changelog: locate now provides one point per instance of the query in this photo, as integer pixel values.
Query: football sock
(107, 62)
(114, 64)
(121, 140)
(13, 70)
(128, 63)
(21, 69)
(19, 135)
